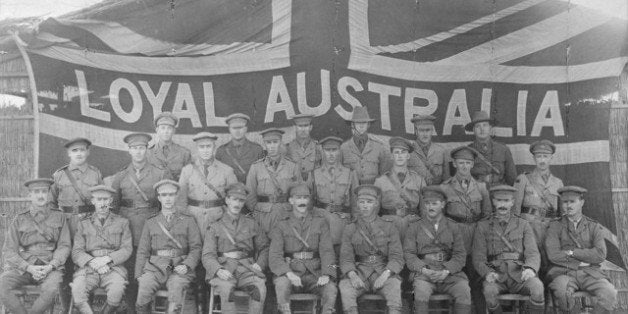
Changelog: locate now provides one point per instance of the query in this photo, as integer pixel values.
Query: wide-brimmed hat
(479, 116)
(360, 114)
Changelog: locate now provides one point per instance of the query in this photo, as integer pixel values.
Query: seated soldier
(301, 254)
(235, 252)
(435, 254)
(102, 244)
(575, 248)
(505, 254)
(371, 255)
(36, 247)
(169, 250)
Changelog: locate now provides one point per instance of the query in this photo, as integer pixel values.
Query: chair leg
(211, 300)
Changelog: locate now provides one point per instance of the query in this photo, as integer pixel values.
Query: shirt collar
(81, 168)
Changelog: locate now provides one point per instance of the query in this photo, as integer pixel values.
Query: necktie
(102, 221)
(425, 149)
(168, 218)
(465, 184)
(331, 171)
(166, 150)
(137, 172)
(401, 176)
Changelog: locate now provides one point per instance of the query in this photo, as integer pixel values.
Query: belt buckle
(440, 257)
(205, 204)
(372, 258)
(272, 198)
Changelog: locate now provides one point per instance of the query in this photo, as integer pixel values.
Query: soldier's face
(572, 206)
(138, 153)
(400, 156)
(234, 204)
(302, 131)
(542, 160)
(463, 166)
(482, 130)
(38, 195)
(238, 131)
(360, 127)
(167, 194)
(165, 132)
(331, 155)
(78, 153)
(101, 201)
(503, 203)
(299, 203)
(205, 148)
(272, 146)
(434, 208)
(367, 206)
(423, 133)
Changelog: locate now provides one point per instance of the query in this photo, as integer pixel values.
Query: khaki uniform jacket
(487, 243)
(114, 236)
(193, 184)
(472, 203)
(240, 158)
(500, 157)
(184, 229)
(307, 158)
(369, 164)
(447, 239)
(533, 191)
(314, 229)
(395, 193)
(385, 238)
(248, 237)
(178, 156)
(434, 167)
(333, 189)
(261, 184)
(589, 235)
(25, 245)
(64, 194)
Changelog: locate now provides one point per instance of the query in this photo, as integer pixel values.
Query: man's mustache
(503, 208)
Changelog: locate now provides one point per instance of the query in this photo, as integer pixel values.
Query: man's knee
(536, 289)
(282, 284)
(52, 282)
(606, 295)
(329, 290)
(461, 292)
(422, 290)
(223, 287)
(79, 289)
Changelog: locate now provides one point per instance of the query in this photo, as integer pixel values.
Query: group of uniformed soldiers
(312, 216)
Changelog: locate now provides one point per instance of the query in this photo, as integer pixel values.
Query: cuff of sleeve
(395, 268)
(418, 266)
(55, 263)
(24, 265)
(116, 258)
(530, 267)
(84, 259)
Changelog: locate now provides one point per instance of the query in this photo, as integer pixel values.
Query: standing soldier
(494, 164)
(362, 153)
(70, 191)
(435, 254)
(169, 250)
(371, 255)
(301, 254)
(303, 150)
(239, 153)
(576, 248)
(468, 199)
(505, 254)
(268, 181)
(235, 253)
(401, 187)
(165, 153)
(332, 186)
(203, 182)
(102, 244)
(136, 197)
(429, 159)
(36, 246)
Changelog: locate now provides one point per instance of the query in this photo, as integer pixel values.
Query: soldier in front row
(301, 254)
(435, 254)
(101, 246)
(505, 254)
(235, 253)
(35, 249)
(168, 253)
(371, 255)
(575, 247)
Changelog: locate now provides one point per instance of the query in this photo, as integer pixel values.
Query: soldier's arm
(510, 168)
(195, 246)
(350, 199)
(143, 251)
(231, 177)
(410, 250)
(261, 246)
(115, 184)
(326, 251)
(187, 157)
(595, 254)
(210, 253)
(251, 183)
(480, 252)
(552, 245)
(79, 253)
(385, 160)
(347, 254)
(11, 247)
(100, 178)
(445, 166)
(530, 248)
(458, 254)
(64, 246)
(487, 208)
(395, 251)
(184, 181)
(520, 185)
(54, 190)
(276, 261)
(123, 253)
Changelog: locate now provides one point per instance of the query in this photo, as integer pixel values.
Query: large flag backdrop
(543, 68)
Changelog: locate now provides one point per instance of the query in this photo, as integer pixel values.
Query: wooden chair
(29, 291)
(98, 292)
(516, 301)
(583, 298)
(313, 299)
(214, 307)
(159, 305)
(439, 299)
(373, 298)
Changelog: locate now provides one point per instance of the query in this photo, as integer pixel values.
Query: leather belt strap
(302, 255)
(41, 247)
(506, 256)
(167, 233)
(436, 256)
(333, 208)
(101, 252)
(206, 204)
(534, 211)
(370, 259)
(172, 253)
(72, 179)
(128, 203)
(207, 183)
(466, 220)
(234, 254)
(283, 198)
(77, 209)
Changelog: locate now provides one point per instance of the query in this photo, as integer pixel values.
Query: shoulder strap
(235, 161)
(273, 180)
(307, 235)
(137, 187)
(488, 163)
(427, 231)
(75, 186)
(573, 237)
(366, 238)
(46, 236)
(538, 191)
(207, 183)
(167, 233)
(505, 241)
(229, 236)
